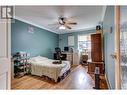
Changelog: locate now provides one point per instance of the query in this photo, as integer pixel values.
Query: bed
(42, 66)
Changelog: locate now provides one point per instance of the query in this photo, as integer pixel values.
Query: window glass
(84, 42)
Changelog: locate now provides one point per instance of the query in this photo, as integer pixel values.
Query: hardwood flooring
(77, 79)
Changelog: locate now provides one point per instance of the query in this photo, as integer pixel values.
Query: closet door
(96, 47)
(5, 54)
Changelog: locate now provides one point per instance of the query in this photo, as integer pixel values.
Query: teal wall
(109, 43)
(41, 42)
(63, 38)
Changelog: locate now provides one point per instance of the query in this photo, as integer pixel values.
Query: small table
(92, 65)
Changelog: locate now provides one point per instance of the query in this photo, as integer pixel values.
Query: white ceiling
(87, 17)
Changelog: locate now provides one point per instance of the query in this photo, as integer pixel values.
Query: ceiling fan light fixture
(62, 27)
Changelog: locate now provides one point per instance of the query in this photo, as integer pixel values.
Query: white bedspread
(45, 67)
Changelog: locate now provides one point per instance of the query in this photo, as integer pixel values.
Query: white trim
(103, 13)
(107, 81)
(9, 53)
(79, 30)
(29, 22)
(57, 32)
(117, 48)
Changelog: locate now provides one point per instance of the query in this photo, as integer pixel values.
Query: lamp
(62, 27)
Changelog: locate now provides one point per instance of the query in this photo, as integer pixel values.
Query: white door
(5, 54)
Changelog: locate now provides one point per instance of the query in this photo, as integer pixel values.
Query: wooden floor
(77, 79)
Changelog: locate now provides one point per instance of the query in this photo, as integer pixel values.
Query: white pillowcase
(38, 58)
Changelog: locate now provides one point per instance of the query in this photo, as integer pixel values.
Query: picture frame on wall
(70, 40)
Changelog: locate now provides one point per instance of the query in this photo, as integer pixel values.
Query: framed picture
(70, 40)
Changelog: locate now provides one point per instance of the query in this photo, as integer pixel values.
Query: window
(84, 43)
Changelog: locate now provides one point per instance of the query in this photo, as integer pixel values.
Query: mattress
(44, 66)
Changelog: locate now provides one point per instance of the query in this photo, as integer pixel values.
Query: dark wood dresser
(96, 54)
(96, 47)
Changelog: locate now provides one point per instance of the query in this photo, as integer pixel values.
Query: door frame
(117, 48)
(9, 52)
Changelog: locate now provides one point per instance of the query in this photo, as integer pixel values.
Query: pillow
(41, 58)
(38, 58)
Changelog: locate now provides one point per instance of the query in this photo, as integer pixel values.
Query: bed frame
(63, 76)
(59, 78)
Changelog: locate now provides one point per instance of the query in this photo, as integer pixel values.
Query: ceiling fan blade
(68, 27)
(74, 23)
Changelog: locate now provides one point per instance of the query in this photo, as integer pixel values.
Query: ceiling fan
(64, 23)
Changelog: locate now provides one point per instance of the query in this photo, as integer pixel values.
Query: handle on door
(113, 56)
